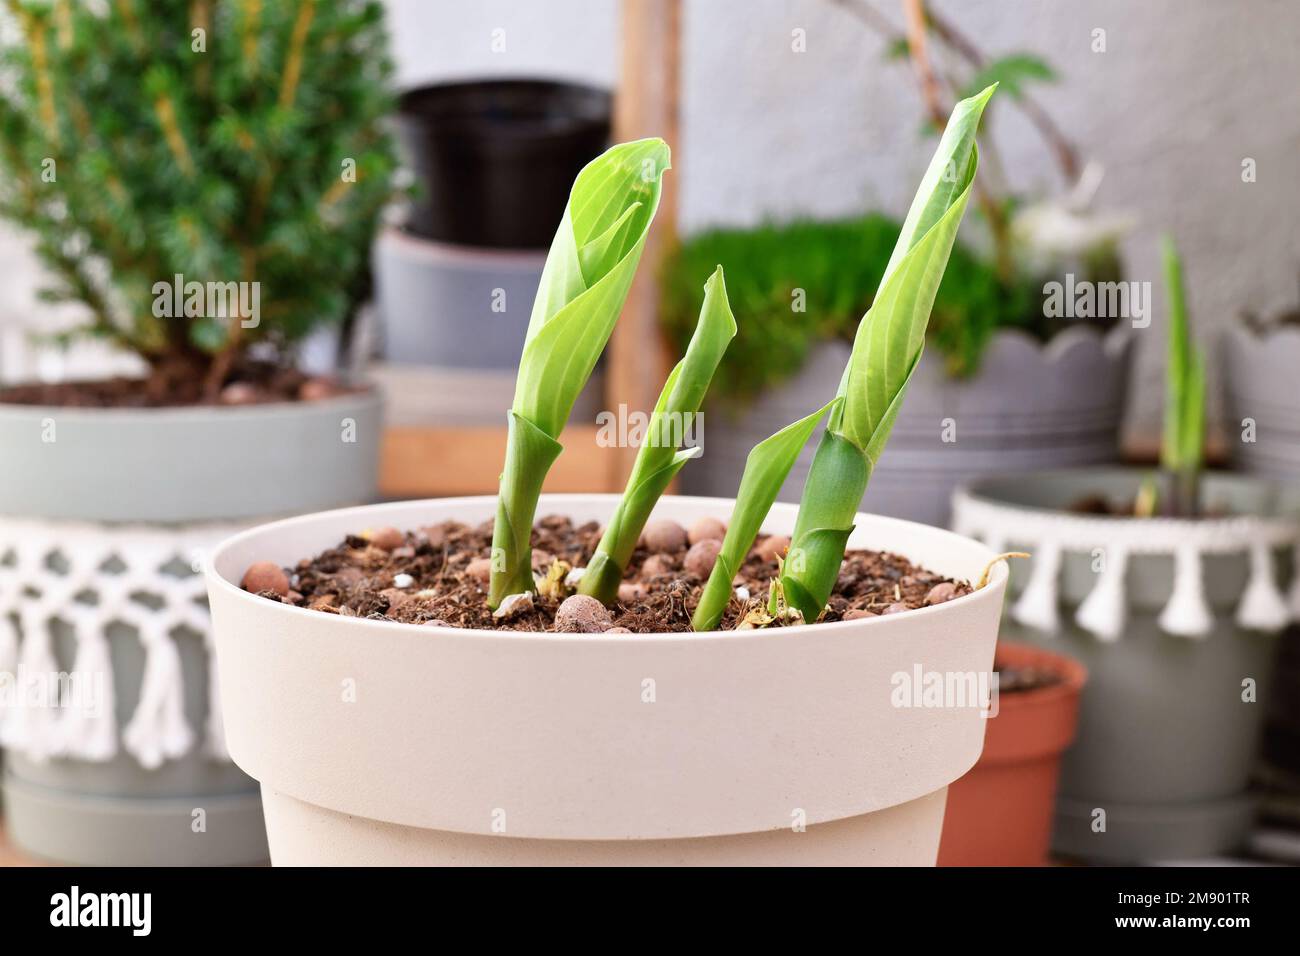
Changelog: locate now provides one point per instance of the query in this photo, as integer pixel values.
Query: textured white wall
(1185, 90)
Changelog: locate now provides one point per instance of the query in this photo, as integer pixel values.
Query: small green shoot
(661, 454)
(1182, 450)
(766, 468)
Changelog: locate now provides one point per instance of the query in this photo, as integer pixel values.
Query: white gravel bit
(512, 605)
(742, 593)
(402, 580)
(573, 577)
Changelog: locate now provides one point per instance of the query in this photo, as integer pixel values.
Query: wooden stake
(646, 104)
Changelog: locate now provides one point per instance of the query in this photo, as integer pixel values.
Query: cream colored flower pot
(385, 743)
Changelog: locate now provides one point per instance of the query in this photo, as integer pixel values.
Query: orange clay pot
(1000, 813)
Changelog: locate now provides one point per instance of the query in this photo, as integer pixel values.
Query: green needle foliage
(1182, 447)
(661, 455)
(217, 140)
(586, 279)
(885, 353)
(766, 468)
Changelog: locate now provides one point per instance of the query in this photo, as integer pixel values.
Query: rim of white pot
(449, 725)
(216, 579)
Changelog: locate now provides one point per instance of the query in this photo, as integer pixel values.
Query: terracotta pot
(384, 743)
(1000, 814)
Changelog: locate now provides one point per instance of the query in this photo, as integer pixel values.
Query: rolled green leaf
(766, 468)
(584, 284)
(1182, 447)
(660, 457)
(885, 353)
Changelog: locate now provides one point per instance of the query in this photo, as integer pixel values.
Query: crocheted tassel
(8, 652)
(1294, 598)
(89, 719)
(1037, 606)
(157, 730)
(1262, 607)
(1103, 611)
(215, 744)
(1187, 613)
(32, 723)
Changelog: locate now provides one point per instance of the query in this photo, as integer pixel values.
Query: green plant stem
(885, 353)
(660, 458)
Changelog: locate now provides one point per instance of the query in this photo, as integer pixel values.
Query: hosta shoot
(766, 468)
(662, 454)
(885, 352)
(584, 284)
(1182, 447)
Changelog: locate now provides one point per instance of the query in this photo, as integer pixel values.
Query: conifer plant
(205, 141)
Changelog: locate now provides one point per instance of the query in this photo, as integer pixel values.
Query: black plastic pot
(496, 158)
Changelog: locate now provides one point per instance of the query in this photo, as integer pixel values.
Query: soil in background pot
(253, 384)
(439, 575)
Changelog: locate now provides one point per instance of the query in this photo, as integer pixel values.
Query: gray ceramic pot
(102, 516)
(1260, 396)
(454, 307)
(1029, 407)
(188, 464)
(1262, 405)
(1174, 637)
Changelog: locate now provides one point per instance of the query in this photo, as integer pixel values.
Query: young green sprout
(661, 454)
(885, 352)
(1182, 447)
(584, 284)
(766, 468)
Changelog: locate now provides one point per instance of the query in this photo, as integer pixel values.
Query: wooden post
(646, 105)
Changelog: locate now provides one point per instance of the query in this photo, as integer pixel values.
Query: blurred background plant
(209, 139)
(812, 280)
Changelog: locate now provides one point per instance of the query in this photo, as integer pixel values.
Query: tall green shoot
(1183, 443)
(584, 284)
(885, 352)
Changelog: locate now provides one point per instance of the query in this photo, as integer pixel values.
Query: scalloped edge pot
(385, 743)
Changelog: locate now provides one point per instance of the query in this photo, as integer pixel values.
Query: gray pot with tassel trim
(115, 750)
(1175, 620)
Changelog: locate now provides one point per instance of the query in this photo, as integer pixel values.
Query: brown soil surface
(1018, 680)
(437, 575)
(255, 385)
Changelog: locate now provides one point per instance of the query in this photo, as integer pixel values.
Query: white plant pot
(377, 742)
